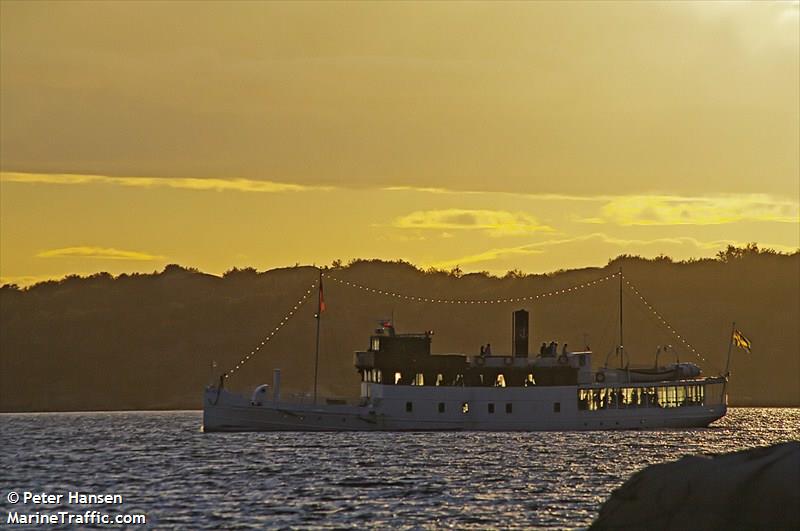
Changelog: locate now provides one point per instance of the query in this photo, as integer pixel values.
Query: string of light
(662, 320)
(274, 331)
(433, 300)
(436, 300)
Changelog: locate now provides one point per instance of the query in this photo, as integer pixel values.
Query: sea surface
(166, 468)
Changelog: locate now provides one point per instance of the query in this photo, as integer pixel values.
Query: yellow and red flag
(741, 341)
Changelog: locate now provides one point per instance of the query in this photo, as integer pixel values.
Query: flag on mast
(321, 298)
(740, 341)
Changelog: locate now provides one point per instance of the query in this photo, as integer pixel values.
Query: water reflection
(182, 478)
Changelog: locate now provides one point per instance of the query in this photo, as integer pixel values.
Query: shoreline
(193, 410)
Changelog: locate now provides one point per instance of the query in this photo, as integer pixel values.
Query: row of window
(490, 407)
(635, 397)
(376, 376)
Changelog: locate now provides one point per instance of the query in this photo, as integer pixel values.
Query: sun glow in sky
(492, 136)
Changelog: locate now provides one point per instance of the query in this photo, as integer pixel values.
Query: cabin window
(508, 408)
(441, 407)
(419, 379)
(465, 407)
(379, 375)
(584, 399)
(529, 381)
(375, 344)
(669, 396)
(409, 407)
(556, 407)
(491, 408)
(439, 379)
(501, 381)
(397, 378)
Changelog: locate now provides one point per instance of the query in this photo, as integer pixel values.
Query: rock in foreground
(750, 489)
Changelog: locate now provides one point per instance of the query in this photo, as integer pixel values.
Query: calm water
(164, 467)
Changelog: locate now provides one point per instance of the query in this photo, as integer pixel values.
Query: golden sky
(493, 136)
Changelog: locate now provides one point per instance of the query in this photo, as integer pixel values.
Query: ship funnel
(519, 334)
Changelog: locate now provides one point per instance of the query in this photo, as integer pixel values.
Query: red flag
(321, 298)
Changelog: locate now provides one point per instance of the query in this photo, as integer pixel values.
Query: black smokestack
(519, 334)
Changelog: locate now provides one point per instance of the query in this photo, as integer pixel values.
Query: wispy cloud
(102, 253)
(487, 256)
(627, 244)
(679, 210)
(656, 208)
(184, 183)
(492, 222)
(525, 195)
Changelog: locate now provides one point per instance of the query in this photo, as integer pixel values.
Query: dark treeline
(148, 341)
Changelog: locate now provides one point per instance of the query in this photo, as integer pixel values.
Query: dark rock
(751, 489)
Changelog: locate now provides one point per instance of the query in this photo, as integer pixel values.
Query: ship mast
(621, 347)
(319, 318)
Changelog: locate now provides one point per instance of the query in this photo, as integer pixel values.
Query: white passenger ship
(404, 386)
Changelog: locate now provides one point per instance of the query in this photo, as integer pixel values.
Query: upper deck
(406, 359)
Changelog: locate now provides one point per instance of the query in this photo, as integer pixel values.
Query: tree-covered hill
(148, 341)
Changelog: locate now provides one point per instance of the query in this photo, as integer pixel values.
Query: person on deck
(543, 349)
(483, 351)
(488, 350)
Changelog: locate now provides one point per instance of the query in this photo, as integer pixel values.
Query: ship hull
(409, 408)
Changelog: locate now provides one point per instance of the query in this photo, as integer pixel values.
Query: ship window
(491, 408)
(439, 379)
(375, 344)
(529, 380)
(419, 379)
(397, 378)
(508, 407)
(441, 407)
(501, 381)
(380, 375)
(584, 399)
(465, 407)
(556, 407)
(409, 407)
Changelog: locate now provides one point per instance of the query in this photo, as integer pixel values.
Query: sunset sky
(492, 136)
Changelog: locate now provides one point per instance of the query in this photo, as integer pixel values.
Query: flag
(321, 299)
(741, 341)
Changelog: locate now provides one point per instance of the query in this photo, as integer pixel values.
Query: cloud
(102, 253)
(487, 256)
(184, 183)
(540, 247)
(525, 195)
(492, 222)
(639, 209)
(678, 210)
(655, 208)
